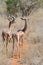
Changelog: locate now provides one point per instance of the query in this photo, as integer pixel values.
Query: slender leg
(13, 47)
(3, 39)
(6, 44)
(22, 44)
(18, 45)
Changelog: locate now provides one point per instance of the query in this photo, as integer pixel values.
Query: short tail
(3, 36)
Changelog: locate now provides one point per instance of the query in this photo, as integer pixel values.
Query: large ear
(11, 18)
(23, 18)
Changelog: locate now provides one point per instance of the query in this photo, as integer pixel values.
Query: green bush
(12, 6)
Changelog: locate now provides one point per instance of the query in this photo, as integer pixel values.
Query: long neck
(11, 22)
(25, 27)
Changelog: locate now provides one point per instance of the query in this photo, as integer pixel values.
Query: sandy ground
(33, 41)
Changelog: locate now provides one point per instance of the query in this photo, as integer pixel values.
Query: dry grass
(33, 41)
